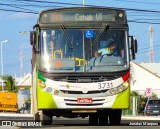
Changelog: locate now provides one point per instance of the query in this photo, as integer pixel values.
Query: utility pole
(22, 72)
(5, 41)
(83, 2)
(21, 64)
(151, 53)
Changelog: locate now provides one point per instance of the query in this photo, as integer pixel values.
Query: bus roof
(85, 7)
(82, 14)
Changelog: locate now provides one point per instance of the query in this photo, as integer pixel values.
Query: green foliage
(143, 100)
(154, 96)
(10, 84)
(27, 103)
(28, 100)
(134, 93)
(26, 87)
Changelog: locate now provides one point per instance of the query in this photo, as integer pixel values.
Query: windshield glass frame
(78, 59)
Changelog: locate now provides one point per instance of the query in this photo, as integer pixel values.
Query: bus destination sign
(77, 16)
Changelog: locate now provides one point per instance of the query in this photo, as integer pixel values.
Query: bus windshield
(83, 50)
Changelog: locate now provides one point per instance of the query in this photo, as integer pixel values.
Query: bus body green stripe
(122, 100)
(45, 100)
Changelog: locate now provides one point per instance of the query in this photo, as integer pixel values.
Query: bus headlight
(52, 91)
(125, 84)
(56, 92)
(118, 89)
(49, 89)
(112, 91)
(43, 85)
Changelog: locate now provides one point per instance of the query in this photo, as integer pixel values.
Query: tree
(154, 95)
(10, 84)
(134, 93)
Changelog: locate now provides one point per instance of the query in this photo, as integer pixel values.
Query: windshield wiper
(99, 35)
(65, 33)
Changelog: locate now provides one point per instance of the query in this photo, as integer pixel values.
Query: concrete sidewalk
(141, 118)
(15, 115)
(9, 127)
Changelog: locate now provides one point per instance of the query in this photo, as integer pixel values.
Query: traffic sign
(148, 92)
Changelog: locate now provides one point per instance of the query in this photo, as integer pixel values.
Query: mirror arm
(34, 49)
(35, 26)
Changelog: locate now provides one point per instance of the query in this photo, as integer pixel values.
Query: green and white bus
(69, 79)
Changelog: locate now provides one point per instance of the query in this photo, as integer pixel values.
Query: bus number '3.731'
(105, 85)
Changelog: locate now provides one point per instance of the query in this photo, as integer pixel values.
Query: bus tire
(93, 119)
(115, 116)
(103, 117)
(45, 117)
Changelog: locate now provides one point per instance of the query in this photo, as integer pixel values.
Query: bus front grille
(85, 79)
(80, 92)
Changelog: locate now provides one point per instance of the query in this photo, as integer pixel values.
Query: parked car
(152, 107)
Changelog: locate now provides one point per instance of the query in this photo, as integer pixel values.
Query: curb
(15, 115)
(141, 118)
(9, 127)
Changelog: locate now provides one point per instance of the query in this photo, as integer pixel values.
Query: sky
(18, 16)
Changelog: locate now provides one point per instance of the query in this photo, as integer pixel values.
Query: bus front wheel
(44, 116)
(93, 119)
(115, 116)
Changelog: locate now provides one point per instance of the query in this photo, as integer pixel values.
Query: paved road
(79, 123)
(63, 123)
(100, 127)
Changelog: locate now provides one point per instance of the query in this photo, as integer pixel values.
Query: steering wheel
(106, 55)
(103, 56)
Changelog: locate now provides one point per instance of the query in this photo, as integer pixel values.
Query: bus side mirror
(32, 37)
(133, 46)
(33, 41)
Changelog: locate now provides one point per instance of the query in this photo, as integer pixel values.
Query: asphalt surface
(26, 121)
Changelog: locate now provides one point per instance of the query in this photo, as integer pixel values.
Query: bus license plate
(84, 100)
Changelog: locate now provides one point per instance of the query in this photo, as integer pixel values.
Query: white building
(22, 93)
(145, 76)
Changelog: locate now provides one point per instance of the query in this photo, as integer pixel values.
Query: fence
(135, 107)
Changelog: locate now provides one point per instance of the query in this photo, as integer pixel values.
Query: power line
(148, 48)
(148, 51)
(11, 5)
(144, 44)
(10, 10)
(49, 2)
(146, 19)
(132, 1)
(143, 22)
(62, 3)
(30, 5)
(128, 9)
